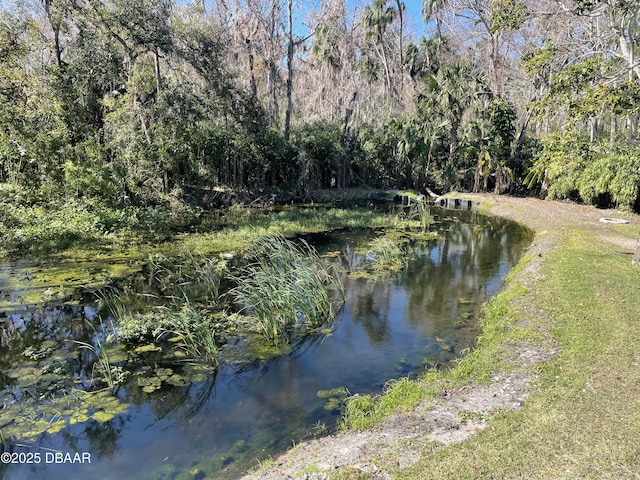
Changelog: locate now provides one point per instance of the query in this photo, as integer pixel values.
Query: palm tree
(449, 94)
(376, 18)
(430, 11)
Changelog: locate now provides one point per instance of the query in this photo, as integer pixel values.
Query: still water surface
(221, 426)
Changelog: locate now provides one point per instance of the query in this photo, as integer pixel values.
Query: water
(218, 427)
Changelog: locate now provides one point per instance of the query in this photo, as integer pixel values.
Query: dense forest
(148, 102)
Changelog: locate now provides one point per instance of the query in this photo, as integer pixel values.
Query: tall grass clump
(185, 279)
(112, 375)
(364, 411)
(385, 254)
(285, 286)
(421, 212)
(196, 335)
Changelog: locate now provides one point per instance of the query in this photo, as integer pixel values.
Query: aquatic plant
(421, 213)
(110, 374)
(52, 415)
(195, 333)
(385, 254)
(286, 285)
(185, 278)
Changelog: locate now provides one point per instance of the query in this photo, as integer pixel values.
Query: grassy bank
(579, 297)
(582, 420)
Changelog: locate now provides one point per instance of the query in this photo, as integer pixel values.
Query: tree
(33, 136)
(431, 11)
(451, 93)
(495, 21)
(376, 18)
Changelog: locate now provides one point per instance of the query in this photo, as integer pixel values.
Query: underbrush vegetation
(30, 225)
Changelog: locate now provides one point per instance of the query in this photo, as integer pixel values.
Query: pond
(221, 423)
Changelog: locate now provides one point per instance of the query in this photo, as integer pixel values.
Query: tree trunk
(636, 256)
(346, 141)
(272, 105)
(252, 76)
(156, 59)
(400, 5)
(287, 117)
(56, 33)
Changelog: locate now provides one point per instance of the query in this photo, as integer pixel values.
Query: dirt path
(401, 439)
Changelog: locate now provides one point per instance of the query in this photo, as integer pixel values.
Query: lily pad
(117, 354)
(21, 371)
(148, 348)
(149, 382)
(178, 381)
(27, 381)
(49, 344)
(102, 416)
(164, 373)
(56, 427)
(78, 419)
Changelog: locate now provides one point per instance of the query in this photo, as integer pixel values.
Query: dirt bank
(405, 436)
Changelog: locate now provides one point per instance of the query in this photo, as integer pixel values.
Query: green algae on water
(52, 416)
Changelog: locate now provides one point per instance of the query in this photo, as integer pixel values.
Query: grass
(285, 286)
(196, 334)
(364, 411)
(386, 255)
(186, 278)
(240, 229)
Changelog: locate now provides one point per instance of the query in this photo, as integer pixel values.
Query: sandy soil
(401, 439)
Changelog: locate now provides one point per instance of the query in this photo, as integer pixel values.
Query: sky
(414, 23)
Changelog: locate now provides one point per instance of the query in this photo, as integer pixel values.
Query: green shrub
(321, 156)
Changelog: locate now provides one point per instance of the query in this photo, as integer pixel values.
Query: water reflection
(218, 426)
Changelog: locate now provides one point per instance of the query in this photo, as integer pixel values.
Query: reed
(385, 254)
(99, 350)
(420, 211)
(196, 334)
(286, 286)
(187, 277)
